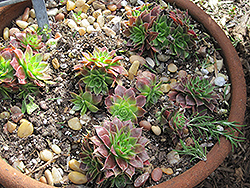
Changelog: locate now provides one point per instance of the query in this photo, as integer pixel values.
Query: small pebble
(77, 178)
(49, 177)
(52, 12)
(32, 13)
(204, 71)
(74, 165)
(219, 81)
(156, 130)
(210, 68)
(150, 62)
(133, 69)
(84, 119)
(43, 179)
(106, 12)
(56, 149)
(90, 29)
(85, 8)
(55, 63)
(100, 20)
(11, 127)
(25, 16)
(165, 88)
(219, 64)
(72, 24)
(167, 171)
(43, 105)
(163, 58)
(14, 30)
(84, 23)
(109, 32)
(5, 115)
(91, 19)
(145, 124)
(172, 68)
(82, 30)
(70, 5)
(140, 181)
(80, 3)
(75, 124)
(124, 3)
(84, 16)
(22, 24)
(59, 17)
(182, 74)
(173, 157)
(6, 33)
(57, 177)
(156, 174)
(137, 58)
(112, 7)
(98, 5)
(46, 155)
(26, 128)
(97, 13)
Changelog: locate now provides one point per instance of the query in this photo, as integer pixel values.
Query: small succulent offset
(121, 147)
(139, 31)
(6, 74)
(101, 58)
(124, 105)
(29, 67)
(146, 84)
(96, 80)
(85, 101)
(194, 92)
(31, 39)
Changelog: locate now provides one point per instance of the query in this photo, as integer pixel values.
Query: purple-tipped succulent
(101, 58)
(194, 92)
(31, 39)
(124, 105)
(121, 147)
(29, 67)
(146, 84)
(139, 31)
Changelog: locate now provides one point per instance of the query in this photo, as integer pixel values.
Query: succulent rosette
(31, 39)
(121, 146)
(30, 67)
(6, 70)
(194, 92)
(124, 105)
(101, 58)
(96, 80)
(146, 84)
(139, 31)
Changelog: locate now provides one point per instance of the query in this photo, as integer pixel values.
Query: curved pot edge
(12, 178)
(6, 15)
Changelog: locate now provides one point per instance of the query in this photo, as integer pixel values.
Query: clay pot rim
(12, 178)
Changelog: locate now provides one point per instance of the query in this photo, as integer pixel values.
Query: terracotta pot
(11, 178)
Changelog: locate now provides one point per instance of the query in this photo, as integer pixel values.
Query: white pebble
(84, 23)
(100, 21)
(57, 177)
(46, 155)
(56, 148)
(6, 33)
(52, 12)
(150, 62)
(22, 24)
(77, 178)
(49, 177)
(72, 24)
(26, 128)
(173, 157)
(219, 81)
(156, 130)
(109, 32)
(75, 124)
(91, 19)
(90, 29)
